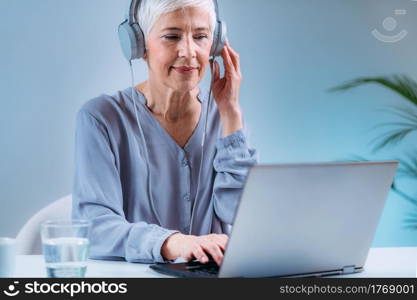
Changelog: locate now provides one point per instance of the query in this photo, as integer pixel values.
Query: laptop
(301, 220)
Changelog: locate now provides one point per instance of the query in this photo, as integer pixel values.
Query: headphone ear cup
(132, 40)
(140, 41)
(219, 39)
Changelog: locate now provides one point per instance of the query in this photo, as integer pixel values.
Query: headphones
(132, 39)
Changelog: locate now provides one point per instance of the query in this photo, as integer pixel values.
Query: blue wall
(55, 55)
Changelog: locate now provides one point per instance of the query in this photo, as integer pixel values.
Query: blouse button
(185, 162)
(187, 197)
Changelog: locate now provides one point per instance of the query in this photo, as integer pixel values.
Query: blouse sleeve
(98, 197)
(232, 162)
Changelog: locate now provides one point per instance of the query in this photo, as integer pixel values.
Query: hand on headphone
(226, 90)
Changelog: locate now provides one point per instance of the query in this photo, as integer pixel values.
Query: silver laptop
(298, 220)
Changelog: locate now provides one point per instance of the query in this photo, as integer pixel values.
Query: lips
(185, 69)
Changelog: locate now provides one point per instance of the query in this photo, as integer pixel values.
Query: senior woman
(110, 182)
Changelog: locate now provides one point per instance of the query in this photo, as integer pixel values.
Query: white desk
(382, 262)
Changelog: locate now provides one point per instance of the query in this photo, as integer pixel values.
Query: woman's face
(178, 48)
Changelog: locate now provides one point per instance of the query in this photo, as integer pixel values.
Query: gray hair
(150, 11)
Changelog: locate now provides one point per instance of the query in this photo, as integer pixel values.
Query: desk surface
(381, 262)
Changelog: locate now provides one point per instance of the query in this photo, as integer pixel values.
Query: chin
(185, 86)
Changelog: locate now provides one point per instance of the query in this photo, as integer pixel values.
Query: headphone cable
(146, 153)
(202, 146)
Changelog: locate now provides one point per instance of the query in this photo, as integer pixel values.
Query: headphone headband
(134, 5)
(133, 10)
(216, 9)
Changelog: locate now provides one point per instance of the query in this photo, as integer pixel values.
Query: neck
(169, 104)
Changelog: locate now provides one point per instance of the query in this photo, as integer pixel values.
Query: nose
(187, 47)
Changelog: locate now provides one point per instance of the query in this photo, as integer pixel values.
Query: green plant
(407, 88)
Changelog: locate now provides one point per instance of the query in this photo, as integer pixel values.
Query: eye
(171, 37)
(201, 37)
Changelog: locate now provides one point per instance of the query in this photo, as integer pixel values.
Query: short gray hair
(150, 11)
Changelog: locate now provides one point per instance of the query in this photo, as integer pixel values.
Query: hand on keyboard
(192, 247)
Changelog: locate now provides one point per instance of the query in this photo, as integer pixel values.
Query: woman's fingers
(221, 240)
(204, 246)
(200, 255)
(228, 63)
(234, 57)
(215, 70)
(231, 62)
(214, 250)
(189, 247)
(218, 82)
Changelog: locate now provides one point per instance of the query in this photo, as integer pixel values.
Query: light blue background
(56, 55)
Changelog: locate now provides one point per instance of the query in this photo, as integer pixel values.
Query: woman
(110, 182)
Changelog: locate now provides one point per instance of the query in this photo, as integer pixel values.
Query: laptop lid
(307, 218)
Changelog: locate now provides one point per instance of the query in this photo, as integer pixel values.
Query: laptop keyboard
(198, 268)
(190, 269)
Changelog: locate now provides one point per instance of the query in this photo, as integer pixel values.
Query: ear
(145, 56)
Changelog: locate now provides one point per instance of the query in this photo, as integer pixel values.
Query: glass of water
(65, 246)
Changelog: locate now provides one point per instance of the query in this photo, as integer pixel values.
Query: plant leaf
(414, 227)
(357, 158)
(393, 137)
(408, 169)
(401, 84)
(402, 112)
(404, 195)
(411, 220)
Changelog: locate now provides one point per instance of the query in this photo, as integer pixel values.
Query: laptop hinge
(348, 269)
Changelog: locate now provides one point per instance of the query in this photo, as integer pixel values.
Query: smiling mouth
(185, 70)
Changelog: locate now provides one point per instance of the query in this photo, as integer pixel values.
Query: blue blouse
(110, 180)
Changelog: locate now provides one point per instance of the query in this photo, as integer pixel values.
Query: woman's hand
(198, 247)
(226, 90)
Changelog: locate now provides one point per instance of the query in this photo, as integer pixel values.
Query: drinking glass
(65, 246)
(7, 256)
